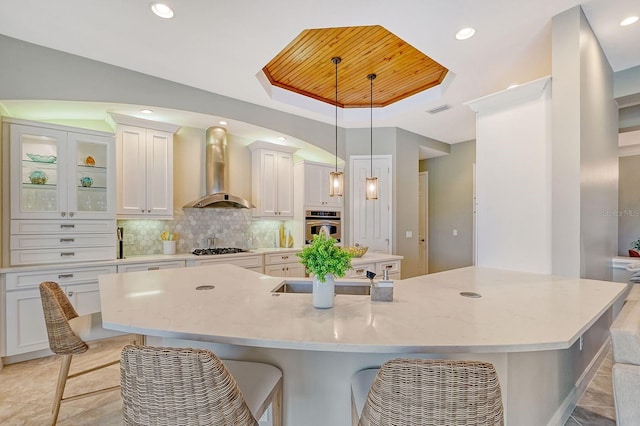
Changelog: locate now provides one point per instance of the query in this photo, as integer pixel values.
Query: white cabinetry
(272, 180)
(378, 265)
(312, 179)
(283, 264)
(144, 157)
(62, 193)
(24, 321)
(151, 266)
(59, 172)
(252, 262)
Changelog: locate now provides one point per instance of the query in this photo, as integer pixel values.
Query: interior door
(371, 220)
(423, 223)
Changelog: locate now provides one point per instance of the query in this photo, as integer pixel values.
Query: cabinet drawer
(19, 280)
(151, 266)
(244, 262)
(61, 241)
(276, 258)
(392, 266)
(63, 255)
(63, 227)
(360, 270)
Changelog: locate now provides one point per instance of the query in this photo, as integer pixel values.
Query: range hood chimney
(217, 173)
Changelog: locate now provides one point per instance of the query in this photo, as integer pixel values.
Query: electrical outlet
(409, 234)
(455, 232)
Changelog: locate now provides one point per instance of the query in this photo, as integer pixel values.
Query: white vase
(323, 292)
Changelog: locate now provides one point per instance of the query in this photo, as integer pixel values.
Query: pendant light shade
(336, 178)
(371, 182)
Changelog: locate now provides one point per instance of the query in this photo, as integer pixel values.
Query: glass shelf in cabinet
(97, 168)
(39, 185)
(92, 188)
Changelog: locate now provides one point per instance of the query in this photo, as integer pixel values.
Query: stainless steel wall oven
(322, 222)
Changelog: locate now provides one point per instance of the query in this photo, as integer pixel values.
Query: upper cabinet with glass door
(57, 173)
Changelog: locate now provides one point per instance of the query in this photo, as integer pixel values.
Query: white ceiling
(221, 46)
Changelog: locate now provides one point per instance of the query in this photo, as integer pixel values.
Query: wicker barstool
(181, 386)
(425, 392)
(67, 332)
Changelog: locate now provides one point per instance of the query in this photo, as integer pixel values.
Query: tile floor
(26, 392)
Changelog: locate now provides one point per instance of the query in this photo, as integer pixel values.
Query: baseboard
(565, 409)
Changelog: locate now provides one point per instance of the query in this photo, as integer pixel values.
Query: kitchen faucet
(211, 242)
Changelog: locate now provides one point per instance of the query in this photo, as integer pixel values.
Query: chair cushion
(625, 334)
(89, 327)
(256, 381)
(360, 384)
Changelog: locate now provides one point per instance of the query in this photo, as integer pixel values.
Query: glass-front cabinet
(58, 174)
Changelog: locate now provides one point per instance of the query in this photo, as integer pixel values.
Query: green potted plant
(635, 252)
(325, 261)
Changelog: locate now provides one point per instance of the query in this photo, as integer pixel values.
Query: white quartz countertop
(517, 311)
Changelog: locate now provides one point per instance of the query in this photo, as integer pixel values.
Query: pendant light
(372, 182)
(336, 178)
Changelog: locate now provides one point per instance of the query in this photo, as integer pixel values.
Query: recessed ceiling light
(162, 10)
(282, 138)
(465, 33)
(146, 111)
(222, 123)
(628, 21)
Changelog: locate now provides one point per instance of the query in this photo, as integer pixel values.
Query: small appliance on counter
(120, 235)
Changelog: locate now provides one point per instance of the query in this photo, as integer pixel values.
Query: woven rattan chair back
(57, 312)
(169, 386)
(412, 392)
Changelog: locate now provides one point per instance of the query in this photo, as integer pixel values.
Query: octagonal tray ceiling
(305, 66)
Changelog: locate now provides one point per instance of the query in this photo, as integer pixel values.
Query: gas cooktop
(213, 251)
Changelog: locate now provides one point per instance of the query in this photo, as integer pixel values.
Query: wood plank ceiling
(305, 66)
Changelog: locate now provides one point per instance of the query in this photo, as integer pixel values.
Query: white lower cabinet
(283, 265)
(251, 262)
(24, 321)
(151, 266)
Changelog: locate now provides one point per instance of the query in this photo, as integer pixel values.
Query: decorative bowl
(89, 161)
(357, 250)
(42, 158)
(86, 181)
(38, 177)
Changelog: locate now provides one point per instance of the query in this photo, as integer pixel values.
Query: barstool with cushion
(430, 392)
(170, 386)
(68, 333)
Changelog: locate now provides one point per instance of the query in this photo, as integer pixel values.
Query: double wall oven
(322, 222)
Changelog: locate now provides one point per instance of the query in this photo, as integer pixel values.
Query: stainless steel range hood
(217, 173)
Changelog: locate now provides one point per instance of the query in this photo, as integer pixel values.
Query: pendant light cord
(336, 60)
(371, 77)
(336, 116)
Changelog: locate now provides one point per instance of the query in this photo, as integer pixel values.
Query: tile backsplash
(230, 227)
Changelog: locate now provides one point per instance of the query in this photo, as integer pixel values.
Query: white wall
(513, 178)
(585, 151)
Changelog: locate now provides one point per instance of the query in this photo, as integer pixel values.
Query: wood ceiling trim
(304, 66)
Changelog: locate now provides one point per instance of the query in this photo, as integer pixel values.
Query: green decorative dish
(42, 158)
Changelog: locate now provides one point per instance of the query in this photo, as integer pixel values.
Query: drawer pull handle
(70, 293)
(61, 276)
(67, 226)
(66, 254)
(153, 268)
(285, 257)
(359, 271)
(388, 266)
(67, 240)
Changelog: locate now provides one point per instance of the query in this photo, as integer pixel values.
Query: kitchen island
(538, 330)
